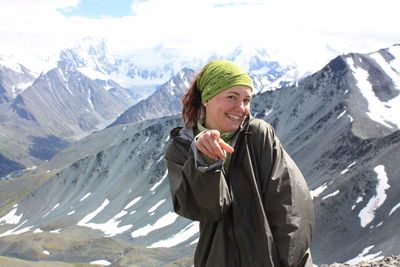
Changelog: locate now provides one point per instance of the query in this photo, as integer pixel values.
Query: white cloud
(288, 28)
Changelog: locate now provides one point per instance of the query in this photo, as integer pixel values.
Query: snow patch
(160, 159)
(367, 214)
(90, 98)
(395, 63)
(159, 182)
(55, 206)
(385, 113)
(111, 227)
(21, 87)
(101, 262)
(194, 241)
(15, 231)
(159, 203)
(93, 74)
(359, 199)
(348, 167)
(394, 208)
(85, 196)
(364, 256)
(11, 217)
(71, 212)
(164, 221)
(331, 195)
(133, 202)
(341, 114)
(178, 238)
(267, 112)
(392, 70)
(90, 216)
(317, 191)
(44, 216)
(170, 88)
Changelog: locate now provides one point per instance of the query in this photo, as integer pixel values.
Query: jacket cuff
(204, 164)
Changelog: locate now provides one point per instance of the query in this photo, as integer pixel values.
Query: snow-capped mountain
(59, 106)
(112, 185)
(14, 78)
(266, 73)
(141, 71)
(69, 102)
(165, 101)
(154, 66)
(147, 68)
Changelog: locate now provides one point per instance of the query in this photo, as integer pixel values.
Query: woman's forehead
(239, 90)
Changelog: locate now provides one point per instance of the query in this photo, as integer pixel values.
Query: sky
(287, 28)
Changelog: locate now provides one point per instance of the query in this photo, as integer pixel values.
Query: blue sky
(99, 9)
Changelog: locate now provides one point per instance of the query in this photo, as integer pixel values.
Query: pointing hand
(212, 146)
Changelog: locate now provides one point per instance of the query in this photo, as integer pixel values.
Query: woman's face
(226, 111)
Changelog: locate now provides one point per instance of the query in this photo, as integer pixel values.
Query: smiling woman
(99, 9)
(229, 171)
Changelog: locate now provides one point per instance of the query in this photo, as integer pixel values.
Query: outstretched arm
(201, 195)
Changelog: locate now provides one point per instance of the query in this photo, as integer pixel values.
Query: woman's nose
(240, 106)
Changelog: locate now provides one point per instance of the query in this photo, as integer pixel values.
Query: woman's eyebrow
(233, 92)
(236, 93)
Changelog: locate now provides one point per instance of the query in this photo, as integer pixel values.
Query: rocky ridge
(392, 261)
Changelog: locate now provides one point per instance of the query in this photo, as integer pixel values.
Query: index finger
(225, 146)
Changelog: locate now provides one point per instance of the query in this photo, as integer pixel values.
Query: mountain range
(89, 88)
(105, 197)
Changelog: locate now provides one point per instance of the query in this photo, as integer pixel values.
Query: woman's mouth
(233, 117)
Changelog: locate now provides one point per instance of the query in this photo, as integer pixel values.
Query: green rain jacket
(260, 215)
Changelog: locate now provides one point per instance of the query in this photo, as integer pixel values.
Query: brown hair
(192, 105)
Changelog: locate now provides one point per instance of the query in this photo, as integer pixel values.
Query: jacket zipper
(232, 159)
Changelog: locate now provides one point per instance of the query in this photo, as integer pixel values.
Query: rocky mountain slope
(59, 106)
(347, 150)
(13, 80)
(42, 114)
(337, 124)
(164, 102)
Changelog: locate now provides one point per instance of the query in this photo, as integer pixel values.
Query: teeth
(233, 117)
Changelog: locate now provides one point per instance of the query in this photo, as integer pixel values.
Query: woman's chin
(232, 127)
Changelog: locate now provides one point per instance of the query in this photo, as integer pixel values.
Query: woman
(229, 171)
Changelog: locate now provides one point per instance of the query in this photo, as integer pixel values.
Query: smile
(233, 117)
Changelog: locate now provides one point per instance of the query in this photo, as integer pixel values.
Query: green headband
(219, 75)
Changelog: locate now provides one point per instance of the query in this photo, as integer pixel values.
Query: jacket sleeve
(288, 204)
(200, 195)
